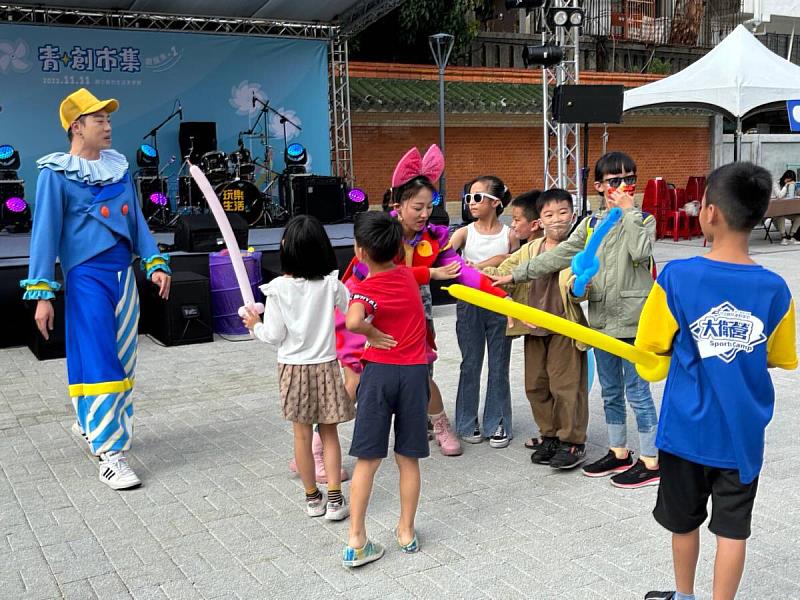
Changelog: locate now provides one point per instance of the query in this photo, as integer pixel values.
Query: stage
(14, 247)
(14, 258)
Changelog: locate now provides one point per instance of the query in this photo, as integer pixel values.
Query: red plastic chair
(656, 202)
(695, 188)
(676, 224)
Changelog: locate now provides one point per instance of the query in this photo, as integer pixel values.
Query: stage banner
(213, 77)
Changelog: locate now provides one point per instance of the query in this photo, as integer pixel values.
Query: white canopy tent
(737, 77)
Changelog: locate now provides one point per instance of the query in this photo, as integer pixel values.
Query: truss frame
(341, 125)
(561, 140)
(364, 14)
(121, 19)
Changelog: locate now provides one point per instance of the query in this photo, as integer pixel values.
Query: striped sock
(335, 494)
(313, 494)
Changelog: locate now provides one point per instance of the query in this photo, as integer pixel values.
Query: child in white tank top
(484, 243)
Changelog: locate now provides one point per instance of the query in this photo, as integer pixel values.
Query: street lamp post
(441, 45)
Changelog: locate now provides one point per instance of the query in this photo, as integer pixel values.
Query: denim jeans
(477, 329)
(618, 379)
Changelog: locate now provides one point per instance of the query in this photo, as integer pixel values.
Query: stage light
(559, 17)
(295, 157)
(16, 204)
(565, 17)
(9, 161)
(147, 157)
(296, 154)
(357, 202)
(154, 200)
(15, 214)
(357, 195)
(158, 199)
(546, 56)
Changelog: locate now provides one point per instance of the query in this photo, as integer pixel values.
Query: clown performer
(427, 250)
(88, 216)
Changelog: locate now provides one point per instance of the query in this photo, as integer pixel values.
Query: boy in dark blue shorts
(725, 320)
(386, 308)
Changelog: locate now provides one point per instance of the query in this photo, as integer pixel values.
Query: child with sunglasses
(616, 298)
(486, 242)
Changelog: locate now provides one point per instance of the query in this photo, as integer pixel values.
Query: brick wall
(514, 153)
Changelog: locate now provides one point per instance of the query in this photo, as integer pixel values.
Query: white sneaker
(116, 473)
(785, 242)
(500, 438)
(336, 511)
(316, 508)
(794, 241)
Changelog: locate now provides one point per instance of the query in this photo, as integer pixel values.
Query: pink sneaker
(445, 437)
(319, 464)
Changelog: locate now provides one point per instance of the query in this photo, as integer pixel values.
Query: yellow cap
(83, 102)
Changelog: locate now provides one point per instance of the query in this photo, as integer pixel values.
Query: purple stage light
(357, 195)
(16, 204)
(158, 199)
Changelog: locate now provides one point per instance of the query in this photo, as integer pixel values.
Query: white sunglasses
(478, 197)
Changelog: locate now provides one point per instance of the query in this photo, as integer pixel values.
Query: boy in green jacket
(616, 298)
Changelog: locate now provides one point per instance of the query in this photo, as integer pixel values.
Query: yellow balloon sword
(651, 366)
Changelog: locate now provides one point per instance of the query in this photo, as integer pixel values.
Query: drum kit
(233, 177)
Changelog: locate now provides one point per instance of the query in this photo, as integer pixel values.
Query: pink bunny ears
(413, 165)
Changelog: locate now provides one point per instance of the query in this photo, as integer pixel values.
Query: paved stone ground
(218, 515)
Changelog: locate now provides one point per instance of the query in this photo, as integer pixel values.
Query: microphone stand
(265, 107)
(153, 133)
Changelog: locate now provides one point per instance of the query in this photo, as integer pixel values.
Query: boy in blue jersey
(725, 320)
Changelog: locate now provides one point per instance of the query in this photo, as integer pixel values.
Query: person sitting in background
(781, 190)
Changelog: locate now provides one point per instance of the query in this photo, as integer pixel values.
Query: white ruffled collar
(111, 167)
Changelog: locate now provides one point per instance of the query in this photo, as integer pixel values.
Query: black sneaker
(475, 438)
(568, 456)
(637, 476)
(546, 449)
(659, 595)
(608, 465)
(500, 437)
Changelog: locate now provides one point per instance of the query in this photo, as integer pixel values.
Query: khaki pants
(556, 384)
(780, 225)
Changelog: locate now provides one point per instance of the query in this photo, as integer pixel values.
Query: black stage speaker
(588, 103)
(198, 137)
(200, 233)
(185, 318)
(55, 347)
(317, 195)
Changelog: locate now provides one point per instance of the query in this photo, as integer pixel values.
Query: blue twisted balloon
(585, 264)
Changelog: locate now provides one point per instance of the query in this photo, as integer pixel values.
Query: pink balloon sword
(230, 241)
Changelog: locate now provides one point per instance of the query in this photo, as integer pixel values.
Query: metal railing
(663, 22)
(779, 44)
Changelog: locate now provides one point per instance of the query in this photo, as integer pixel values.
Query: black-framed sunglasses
(615, 182)
(478, 197)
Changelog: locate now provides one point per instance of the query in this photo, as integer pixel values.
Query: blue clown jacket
(82, 209)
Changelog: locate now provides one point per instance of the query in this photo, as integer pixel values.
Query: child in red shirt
(386, 308)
